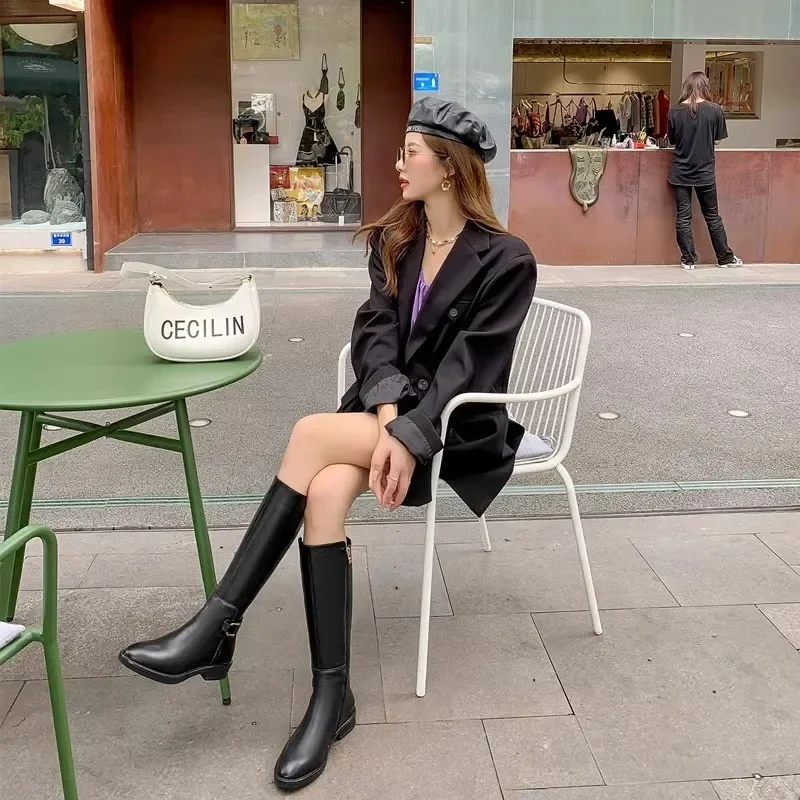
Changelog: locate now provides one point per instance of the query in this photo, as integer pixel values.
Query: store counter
(633, 221)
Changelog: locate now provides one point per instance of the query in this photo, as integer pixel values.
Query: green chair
(48, 636)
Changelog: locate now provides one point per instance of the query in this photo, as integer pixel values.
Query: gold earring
(446, 185)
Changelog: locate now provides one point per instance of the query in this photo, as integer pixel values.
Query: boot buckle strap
(231, 627)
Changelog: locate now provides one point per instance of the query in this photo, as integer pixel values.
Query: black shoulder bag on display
(342, 205)
(340, 95)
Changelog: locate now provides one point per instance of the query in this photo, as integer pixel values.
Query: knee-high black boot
(328, 590)
(204, 645)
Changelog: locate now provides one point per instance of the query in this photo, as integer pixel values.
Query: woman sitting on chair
(450, 291)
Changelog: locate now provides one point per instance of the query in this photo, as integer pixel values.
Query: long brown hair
(405, 221)
(695, 86)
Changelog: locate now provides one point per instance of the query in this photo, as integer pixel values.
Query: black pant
(707, 196)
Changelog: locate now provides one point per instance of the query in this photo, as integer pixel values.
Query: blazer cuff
(387, 385)
(417, 433)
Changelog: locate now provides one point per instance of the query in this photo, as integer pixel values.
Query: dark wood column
(386, 95)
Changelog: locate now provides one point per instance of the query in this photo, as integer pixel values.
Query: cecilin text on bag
(178, 331)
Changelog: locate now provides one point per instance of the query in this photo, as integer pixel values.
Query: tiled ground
(692, 692)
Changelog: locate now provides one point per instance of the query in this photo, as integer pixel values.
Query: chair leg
(581, 542)
(199, 523)
(58, 706)
(425, 610)
(487, 542)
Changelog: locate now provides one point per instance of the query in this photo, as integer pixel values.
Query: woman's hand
(391, 471)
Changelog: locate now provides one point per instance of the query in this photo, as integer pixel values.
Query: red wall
(111, 127)
(182, 112)
(633, 222)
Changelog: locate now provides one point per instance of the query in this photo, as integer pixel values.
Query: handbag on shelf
(342, 205)
(179, 331)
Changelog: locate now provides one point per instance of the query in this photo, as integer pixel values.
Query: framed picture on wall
(265, 31)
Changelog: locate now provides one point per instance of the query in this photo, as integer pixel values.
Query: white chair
(546, 377)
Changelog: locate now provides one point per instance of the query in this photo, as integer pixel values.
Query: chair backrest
(550, 353)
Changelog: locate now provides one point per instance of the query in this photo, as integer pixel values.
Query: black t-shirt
(694, 137)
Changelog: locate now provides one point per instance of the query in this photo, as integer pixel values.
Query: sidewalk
(691, 691)
(348, 279)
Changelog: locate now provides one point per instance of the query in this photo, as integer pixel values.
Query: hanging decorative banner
(265, 31)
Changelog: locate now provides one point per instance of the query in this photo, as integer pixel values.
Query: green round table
(93, 371)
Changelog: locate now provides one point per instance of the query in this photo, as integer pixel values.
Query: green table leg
(19, 510)
(198, 515)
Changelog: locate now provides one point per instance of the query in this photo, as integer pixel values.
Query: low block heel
(346, 728)
(215, 673)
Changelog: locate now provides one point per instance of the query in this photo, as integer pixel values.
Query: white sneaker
(687, 265)
(737, 262)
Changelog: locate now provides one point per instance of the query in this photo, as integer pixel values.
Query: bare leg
(322, 440)
(330, 496)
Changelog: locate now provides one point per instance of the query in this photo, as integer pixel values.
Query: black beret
(449, 120)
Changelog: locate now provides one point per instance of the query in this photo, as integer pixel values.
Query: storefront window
(41, 156)
(296, 112)
(571, 92)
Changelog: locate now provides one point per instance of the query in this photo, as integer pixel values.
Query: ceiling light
(51, 427)
(296, 339)
(608, 415)
(736, 412)
(686, 335)
(69, 5)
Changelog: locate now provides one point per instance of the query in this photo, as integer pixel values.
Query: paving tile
(680, 694)
(427, 761)
(785, 545)
(149, 569)
(133, 738)
(8, 694)
(698, 790)
(786, 618)
(274, 633)
(696, 524)
(94, 624)
(71, 571)
(540, 753)
(479, 667)
(367, 687)
(75, 543)
(464, 531)
(717, 570)
(542, 573)
(786, 787)
(395, 574)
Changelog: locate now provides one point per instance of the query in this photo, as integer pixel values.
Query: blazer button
(453, 313)
(422, 384)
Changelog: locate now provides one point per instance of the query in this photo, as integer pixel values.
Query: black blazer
(463, 341)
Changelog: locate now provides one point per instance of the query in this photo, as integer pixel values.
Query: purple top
(419, 297)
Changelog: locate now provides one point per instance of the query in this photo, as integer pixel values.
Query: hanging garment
(357, 118)
(663, 109)
(582, 113)
(316, 144)
(649, 116)
(625, 112)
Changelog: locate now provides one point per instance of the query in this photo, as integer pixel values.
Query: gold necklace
(444, 242)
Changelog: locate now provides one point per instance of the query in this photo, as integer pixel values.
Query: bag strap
(156, 274)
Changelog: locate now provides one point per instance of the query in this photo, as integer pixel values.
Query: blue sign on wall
(426, 81)
(61, 240)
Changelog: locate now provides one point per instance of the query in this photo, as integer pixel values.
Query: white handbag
(179, 331)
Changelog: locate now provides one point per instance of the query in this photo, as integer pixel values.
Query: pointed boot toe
(203, 646)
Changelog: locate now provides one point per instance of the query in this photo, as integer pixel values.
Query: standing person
(450, 291)
(695, 125)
